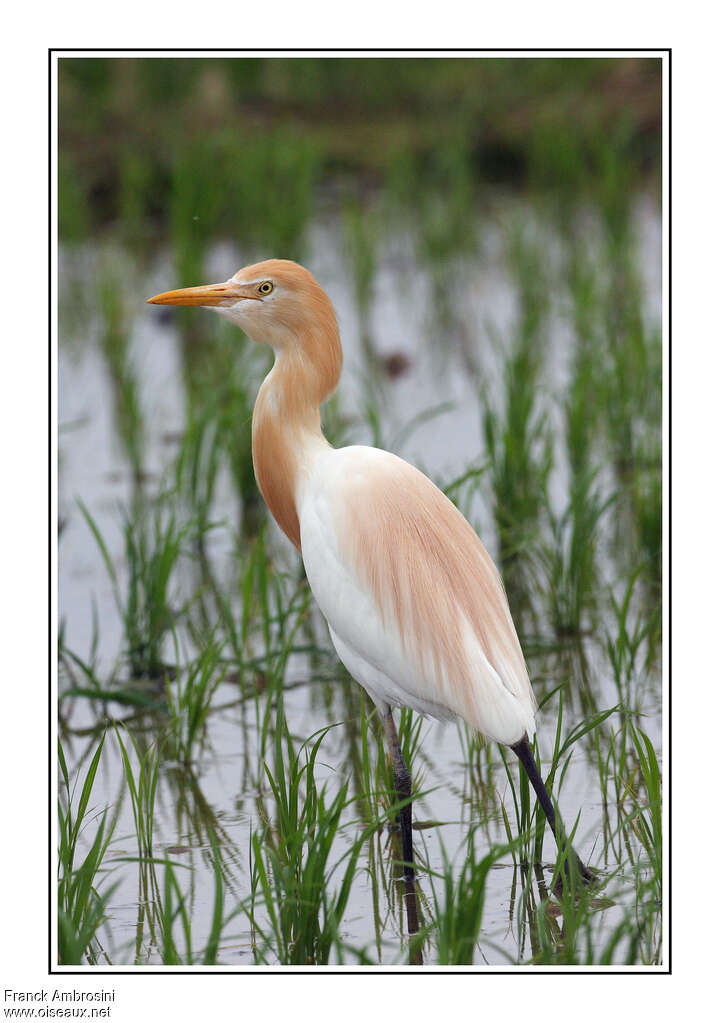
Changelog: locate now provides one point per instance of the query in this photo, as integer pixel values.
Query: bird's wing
(408, 587)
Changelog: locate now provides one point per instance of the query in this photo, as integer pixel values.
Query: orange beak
(206, 294)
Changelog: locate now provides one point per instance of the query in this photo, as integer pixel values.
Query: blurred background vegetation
(141, 139)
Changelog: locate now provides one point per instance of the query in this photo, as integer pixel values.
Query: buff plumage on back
(436, 585)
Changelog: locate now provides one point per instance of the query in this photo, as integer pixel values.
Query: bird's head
(277, 302)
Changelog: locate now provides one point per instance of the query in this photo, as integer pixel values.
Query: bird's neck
(287, 435)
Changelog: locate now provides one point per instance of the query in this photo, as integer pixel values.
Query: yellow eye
(265, 288)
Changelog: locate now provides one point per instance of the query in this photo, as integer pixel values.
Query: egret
(415, 606)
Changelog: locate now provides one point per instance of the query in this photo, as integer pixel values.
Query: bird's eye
(265, 288)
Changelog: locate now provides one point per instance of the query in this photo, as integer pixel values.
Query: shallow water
(224, 787)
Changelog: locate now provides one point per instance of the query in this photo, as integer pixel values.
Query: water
(223, 789)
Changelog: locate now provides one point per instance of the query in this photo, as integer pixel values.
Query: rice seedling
(480, 794)
(292, 874)
(583, 937)
(567, 560)
(142, 787)
(522, 838)
(647, 817)
(280, 164)
(458, 916)
(129, 416)
(233, 405)
(283, 609)
(135, 192)
(195, 206)
(516, 431)
(83, 674)
(630, 380)
(582, 405)
(362, 234)
(73, 220)
(444, 231)
(154, 542)
(190, 695)
(649, 517)
(519, 462)
(174, 913)
(444, 237)
(239, 613)
(197, 467)
(81, 905)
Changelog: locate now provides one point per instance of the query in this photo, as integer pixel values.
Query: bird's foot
(573, 869)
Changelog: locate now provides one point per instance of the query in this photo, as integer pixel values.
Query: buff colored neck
(286, 430)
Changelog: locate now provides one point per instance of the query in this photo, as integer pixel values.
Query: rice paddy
(224, 793)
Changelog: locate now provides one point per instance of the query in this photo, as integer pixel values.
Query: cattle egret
(415, 606)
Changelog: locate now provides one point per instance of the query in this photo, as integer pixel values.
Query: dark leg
(524, 754)
(403, 790)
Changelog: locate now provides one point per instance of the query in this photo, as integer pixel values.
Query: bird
(415, 606)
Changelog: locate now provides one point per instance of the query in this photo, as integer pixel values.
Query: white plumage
(395, 664)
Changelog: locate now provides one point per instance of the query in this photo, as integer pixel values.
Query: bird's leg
(524, 754)
(403, 791)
